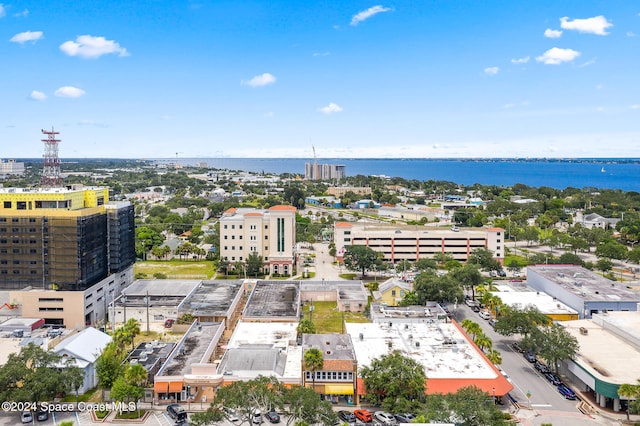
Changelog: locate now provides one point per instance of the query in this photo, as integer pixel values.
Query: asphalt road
(525, 378)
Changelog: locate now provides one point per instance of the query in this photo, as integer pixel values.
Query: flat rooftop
(596, 355)
(40, 190)
(333, 346)
(521, 298)
(440, 348)
(212, 298)
(150, 354)
(160, 292)
(383, 229)
(274, 299)
(263, 349)
(192, 350)
(585, 284)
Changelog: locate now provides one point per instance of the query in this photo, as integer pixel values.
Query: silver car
(385, 418)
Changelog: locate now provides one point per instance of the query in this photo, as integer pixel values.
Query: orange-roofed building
(271, 233)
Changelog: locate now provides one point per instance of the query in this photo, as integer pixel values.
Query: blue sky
(433, 79)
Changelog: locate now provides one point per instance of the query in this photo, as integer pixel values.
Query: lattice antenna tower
(51, 171)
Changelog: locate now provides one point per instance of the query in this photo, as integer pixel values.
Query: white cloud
(26, 36)
(635, 106)
(260, 80)
(589, 62)
(69, 92)
(631, 34)
(37, 96)
(520, 60)
(514, 105)
(22, 14)
(2, 11)
(87, 46)
(91, 123)
(556, 56)
(549, 33)
(596, 25)
(321, 53)
(492, 70)
(366, 14)
(330, 109)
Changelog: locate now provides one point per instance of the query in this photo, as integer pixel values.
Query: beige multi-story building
(407, 242)
(271, 233)
(339, 191)
(11, 167)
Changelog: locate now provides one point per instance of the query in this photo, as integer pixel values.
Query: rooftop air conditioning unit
(417, 344)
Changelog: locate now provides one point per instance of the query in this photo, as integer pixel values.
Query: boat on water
(602, 170)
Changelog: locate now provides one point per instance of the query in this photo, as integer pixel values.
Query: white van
(484, 315)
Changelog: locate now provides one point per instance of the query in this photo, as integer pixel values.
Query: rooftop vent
(361, 336)
(417, 344)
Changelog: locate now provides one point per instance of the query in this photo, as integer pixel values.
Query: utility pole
(146, 299)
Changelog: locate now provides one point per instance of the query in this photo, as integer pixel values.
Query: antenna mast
(51, 171)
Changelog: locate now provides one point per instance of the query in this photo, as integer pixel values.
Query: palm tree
(483, 341)
(313, 361)
(471, 327)
(494, 356)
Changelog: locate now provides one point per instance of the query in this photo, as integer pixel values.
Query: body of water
(617, 173)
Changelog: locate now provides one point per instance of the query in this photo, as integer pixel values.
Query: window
(266, 237)
(15, 229)
(32, 229)
(346, 240)
(4, 272)
(16, 241)
(33, 251)
(3, 241)
(15, 251)
(393, 293)
(16, 262)
(347, 232)
(266, 227)
(240, 237)
(32, 220)
(3, 229)
(225, 237)
(239, 226)
(7, 204)
(233, 237)
(3, 262)
(233, 227)
(225, 227)
(226, 248)
(41, 309)
(15, 220)
(21, 205)
(33, 272)
(16, 272)
(50, 299)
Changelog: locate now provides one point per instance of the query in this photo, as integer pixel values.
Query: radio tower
(51, 171)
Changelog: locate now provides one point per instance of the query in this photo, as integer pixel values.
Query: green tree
(556, 344)
(108, 365)
(305, 407)
(612, 250)
(604, 265)
(470, 407)
(306, 326)
(519, 321)
(425, 263)
(631, 392)
(484, 259)
(394, 380)
(254, 264)
(263, 393)
(125, 392)
(494, 356)
(360, 258)
(313, 360)
(469, 277)
(410, 299)
(431, 287)
(34, 374)
(471, 327)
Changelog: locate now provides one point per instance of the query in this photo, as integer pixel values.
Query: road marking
(541, 405)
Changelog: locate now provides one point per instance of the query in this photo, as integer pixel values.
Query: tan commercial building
(408, 242)
(339, 191)
(271, 233)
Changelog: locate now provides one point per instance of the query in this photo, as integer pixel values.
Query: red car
(363, 415)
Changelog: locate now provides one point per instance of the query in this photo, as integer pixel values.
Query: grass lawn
(328, 319)
(176, 269)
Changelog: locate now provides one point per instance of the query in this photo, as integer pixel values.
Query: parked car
(363, 415)
(492, 323)
(176, 412)
(385, 418)
(231, 414)
(485, 315)
(169, 323)
(256, 417)
(404, 417)
(555, 380)
(475, 308)
(346, 416)
(502, 273)
(567, 392)
(26, 417)
(42, 416)
(530, 356)
(516, 347)
(541, 367)
(273, 417)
